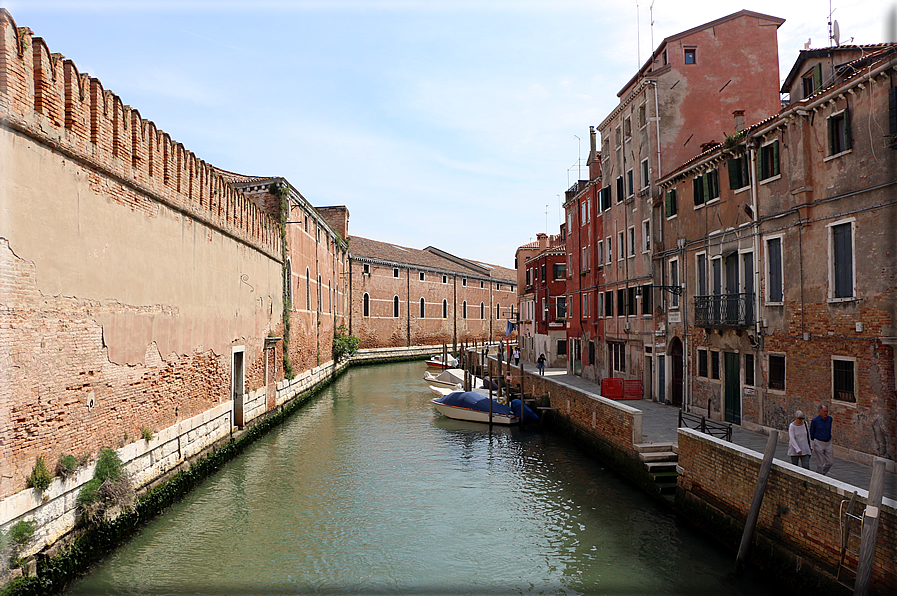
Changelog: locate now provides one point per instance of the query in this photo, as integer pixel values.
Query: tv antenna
(834, 31)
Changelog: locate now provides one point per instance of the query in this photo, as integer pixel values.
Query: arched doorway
(677, 372)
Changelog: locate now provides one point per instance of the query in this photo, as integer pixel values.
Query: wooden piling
(754, 513)
(870, 529)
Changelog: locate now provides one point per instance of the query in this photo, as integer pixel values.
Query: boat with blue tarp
(474, 407)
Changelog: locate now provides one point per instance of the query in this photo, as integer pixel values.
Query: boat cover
(528, 414)
(474, 401)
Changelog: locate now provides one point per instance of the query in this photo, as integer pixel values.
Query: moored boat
(436, 361)
(471, 406)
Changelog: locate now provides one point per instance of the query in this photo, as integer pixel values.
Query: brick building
(526, 282)
(783, 235)
(681, 100)
(547, 272)
(584, 274)
(402, 296)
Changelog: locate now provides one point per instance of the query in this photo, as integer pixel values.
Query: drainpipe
(657, 126)
(756, 226)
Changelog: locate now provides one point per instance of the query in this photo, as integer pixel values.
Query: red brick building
(527, 280)
(548, 274)
(784, 237)
(402, 296)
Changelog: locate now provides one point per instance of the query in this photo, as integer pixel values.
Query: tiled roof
(365, 248)
(234, 178)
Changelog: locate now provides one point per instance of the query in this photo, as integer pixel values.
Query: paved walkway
(660, 421)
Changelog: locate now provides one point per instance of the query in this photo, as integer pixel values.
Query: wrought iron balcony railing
(724, 310)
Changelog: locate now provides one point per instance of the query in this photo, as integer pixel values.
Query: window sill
(674, 216)
(741, 190)
(837, 155)
(774, 304)
(776, 391)
(841, 402)
(770, 179)
(842, 300)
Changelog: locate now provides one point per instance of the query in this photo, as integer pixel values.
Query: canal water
(367, 490)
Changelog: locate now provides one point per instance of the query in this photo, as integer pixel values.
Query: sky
(450, 123)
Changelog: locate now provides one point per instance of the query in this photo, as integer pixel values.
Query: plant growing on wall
(146, 433)
(66, 465)
(344, 344)
(40, 477)
(282, 192)
(22, 532)
(110, 488)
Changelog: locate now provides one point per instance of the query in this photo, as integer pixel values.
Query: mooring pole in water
(754, 513)
(490, 393)
(870, 529)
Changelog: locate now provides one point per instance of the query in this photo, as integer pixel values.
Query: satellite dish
(836, 33)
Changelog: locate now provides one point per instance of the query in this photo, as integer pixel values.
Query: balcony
(725, 310)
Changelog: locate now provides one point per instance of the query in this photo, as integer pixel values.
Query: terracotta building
(547, 272)
(402, 296)
(783, 237)
(695, 87)
(526, 299)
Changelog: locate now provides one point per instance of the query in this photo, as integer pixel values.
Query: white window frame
(768, 271)
(856, 395)
(631, 239)
(645, 170)
(831, 260)
(646, 230)
(621, 245)
(610, 250)
(769, 373)
(600, 253)
(697, 289)
(674, 298)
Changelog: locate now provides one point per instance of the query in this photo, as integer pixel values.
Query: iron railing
(720, 430)
(725, 310)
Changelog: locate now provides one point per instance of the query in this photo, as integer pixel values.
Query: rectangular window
(585, 258)
(608, 304)
(838, 132)
(562, 347)
(600, 304)
(445, 278)
(645, 181)
(749, 370)
(702, 363)
(774, 278)
(621, 303)
(422, 276)
(701, 274)
(617, 356)
(464, 281)
(706, 187)
(642, 119)
(691, 56)
(769, 161)
(739, 173)
(630, 300)
(605, 198)
(585, 306)
(610, 247)
(561, 308)
(366, 268)
(559, 270)
(630, 184)
(620, 189)
(812, 80)
(842, 260)
(646, 232)
(646, 299)
(591, 352)
(632, 241)
(621, 246)
(714, 365)
(672, 204)
(543, 267)
(843, 380)
(395, 272)
(582, 214)
(600, 252)
(627, 128)
(674, 281)
(777, 372)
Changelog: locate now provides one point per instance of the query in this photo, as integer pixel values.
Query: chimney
(739, 120)
(543, 241)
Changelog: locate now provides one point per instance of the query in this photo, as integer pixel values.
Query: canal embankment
(159, 465)
(799, 532)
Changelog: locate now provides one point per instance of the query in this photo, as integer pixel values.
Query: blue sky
(445, 123)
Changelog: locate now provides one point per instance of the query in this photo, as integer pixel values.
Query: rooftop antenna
(834, 32)
(578, 159)
(651, 18)
(638, 43)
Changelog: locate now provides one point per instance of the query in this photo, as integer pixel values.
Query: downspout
(408, 306)
(657, 126)
(756, 226)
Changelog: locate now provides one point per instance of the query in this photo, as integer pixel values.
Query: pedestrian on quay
(516, 357)
(541, 363)
(821, 435)
(799, 441)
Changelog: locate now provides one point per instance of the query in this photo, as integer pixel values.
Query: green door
(733, 387)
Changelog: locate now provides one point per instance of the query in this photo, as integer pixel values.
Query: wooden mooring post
(870, 529)
(754, 513)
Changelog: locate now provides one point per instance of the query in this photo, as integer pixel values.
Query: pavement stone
(660, 422)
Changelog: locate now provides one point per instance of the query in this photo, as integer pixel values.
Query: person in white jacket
(799, 441)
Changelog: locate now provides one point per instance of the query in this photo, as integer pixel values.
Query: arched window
(288, 283)
(464, 309)
(422, 309)
(444, 309)
(307, 289)
(395, 306)
(482, 310)
(366, 305)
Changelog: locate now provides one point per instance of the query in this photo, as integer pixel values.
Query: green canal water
(368, 490)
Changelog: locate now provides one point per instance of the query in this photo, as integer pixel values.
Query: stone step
(657, 456)
(664, 476)
(660, 466)
(653, 447)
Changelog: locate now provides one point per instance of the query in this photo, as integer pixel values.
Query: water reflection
(369, 491)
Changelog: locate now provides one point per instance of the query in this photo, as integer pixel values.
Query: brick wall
(800, 508)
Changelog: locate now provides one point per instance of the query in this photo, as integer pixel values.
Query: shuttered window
(672, 204)
(739, 175)
(839, 132)
(620, 188)
(769, 160)
(842, 260)
(774, 274)
(605, 198)
(892, 111)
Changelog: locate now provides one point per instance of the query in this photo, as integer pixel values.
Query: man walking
(821, 435)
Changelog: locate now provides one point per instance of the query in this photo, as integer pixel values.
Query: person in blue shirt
(821, 435)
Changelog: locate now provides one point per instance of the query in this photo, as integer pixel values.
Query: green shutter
(698, 187)
(832, 132)
(817, 77)
(775, 159)
(735, 174)
(846, 128)
(708, 186)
